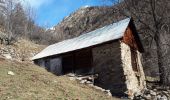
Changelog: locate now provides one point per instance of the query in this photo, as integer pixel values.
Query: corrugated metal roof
(99, 36)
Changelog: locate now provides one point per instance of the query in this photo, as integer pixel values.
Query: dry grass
(27, 49)
(31, 82)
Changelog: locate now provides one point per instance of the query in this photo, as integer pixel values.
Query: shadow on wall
(108, 66)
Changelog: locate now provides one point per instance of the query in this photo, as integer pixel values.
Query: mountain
(84, 20)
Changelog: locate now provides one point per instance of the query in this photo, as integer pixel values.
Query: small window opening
(134, 60)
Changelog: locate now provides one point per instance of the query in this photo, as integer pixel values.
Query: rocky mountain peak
(84, 20)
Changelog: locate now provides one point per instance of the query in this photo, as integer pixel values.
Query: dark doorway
(134, 59)
(83, 62)
(79, 62)
(68, 64)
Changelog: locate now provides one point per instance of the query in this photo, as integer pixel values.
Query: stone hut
(113, 53)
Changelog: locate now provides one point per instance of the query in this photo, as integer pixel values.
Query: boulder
(11, 73)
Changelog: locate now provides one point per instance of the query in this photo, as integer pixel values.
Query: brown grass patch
(31, 82)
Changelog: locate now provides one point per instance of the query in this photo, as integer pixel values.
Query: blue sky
(51, 12)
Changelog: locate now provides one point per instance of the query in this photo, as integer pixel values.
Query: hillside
(21, 50)
(33, 82)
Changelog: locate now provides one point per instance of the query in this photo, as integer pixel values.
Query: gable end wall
(135, 81)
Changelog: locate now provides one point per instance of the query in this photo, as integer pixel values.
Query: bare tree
(16, 23)
(19, 19)
(2, 13)
(8, 21)
(153, 20)
(30, 24)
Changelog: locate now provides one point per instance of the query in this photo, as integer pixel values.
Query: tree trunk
(162, 70)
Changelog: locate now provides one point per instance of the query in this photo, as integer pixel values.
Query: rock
(154, 90)
(83, 81)
(158, 97)
(155, 94)
(98, 88)
(72, 78)
(152, 93)
(165, 93)
(11, 73)
(147, 97)
(163, 97)
(137, 94)
(7, 56)
(88, 82)
(79, 78)
(71, 75)
(108, 92)
(168, 91)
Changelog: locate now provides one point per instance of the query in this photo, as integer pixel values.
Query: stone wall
(107, 64)
(56, 66)
(53, 65)
(40, 62)
(135, 81)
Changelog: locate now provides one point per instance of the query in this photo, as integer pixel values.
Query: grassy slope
(31, 82)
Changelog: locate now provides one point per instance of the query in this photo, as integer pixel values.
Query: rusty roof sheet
(99, 36)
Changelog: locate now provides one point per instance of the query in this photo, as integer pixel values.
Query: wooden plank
(129, 39)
